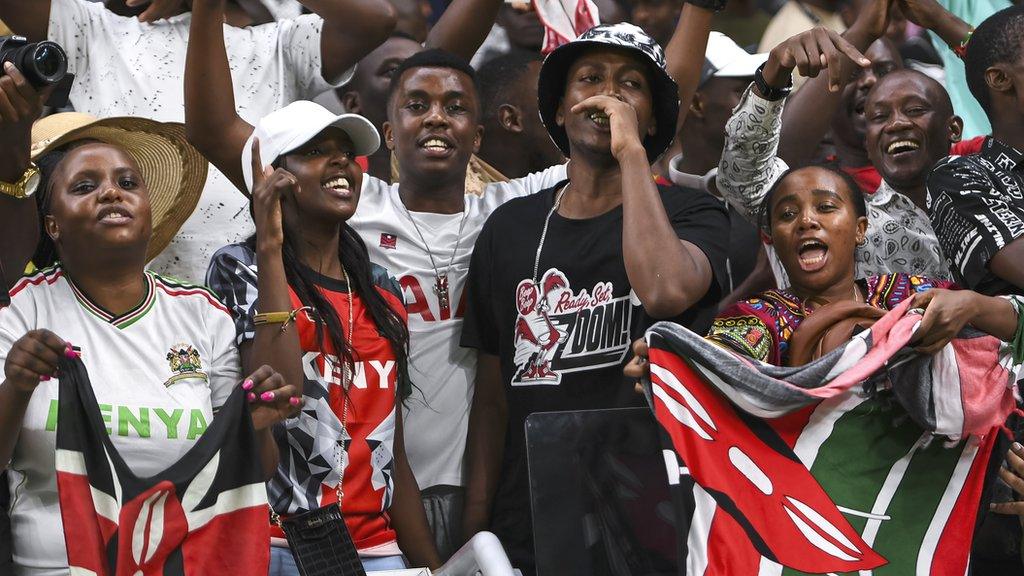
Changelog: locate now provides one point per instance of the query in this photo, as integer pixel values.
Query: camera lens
(47, 61)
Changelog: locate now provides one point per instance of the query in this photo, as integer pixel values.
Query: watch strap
(19, 189)
(769, 92)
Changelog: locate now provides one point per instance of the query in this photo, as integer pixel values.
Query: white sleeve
(750, 162)
(74, 24)
(226, 365)
(298, 44)
(533, 183)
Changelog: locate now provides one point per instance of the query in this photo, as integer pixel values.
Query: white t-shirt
(125, 67)
(158, 371)
(436, 416)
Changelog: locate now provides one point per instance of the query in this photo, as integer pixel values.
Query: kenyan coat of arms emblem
(185, 363)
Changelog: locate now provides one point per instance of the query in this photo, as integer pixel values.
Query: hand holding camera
(31, 74)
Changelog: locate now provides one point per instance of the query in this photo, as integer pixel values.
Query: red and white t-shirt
(158, 371)
(311, 443)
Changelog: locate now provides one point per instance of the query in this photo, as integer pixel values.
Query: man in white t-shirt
(125, 67)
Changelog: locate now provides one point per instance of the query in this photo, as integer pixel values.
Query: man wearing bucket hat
(561, 280)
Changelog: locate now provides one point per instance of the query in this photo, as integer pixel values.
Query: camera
(42, 63)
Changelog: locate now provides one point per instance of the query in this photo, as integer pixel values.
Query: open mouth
(599, 118)
(812, 255)
(114, 215)
(436, 146)
(902, 147)
(339, 185)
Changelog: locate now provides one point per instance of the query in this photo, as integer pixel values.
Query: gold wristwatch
(24, 187)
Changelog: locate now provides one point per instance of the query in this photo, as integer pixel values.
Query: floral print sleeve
(747, 329)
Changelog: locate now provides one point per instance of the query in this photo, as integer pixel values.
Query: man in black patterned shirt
(976, 202)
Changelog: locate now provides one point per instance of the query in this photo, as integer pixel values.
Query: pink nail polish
(295, 401)
(251, 396)
(43, 377)
(70, 352)
(247, 385)
(267, 396)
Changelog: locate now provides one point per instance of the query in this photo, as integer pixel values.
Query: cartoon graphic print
(558, 331)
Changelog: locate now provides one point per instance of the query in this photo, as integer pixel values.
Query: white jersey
(436, 417)
(158, 371)
(129, 68)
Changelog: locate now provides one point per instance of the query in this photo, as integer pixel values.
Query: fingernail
(1017, 447)
(43, 377)
(267, 396)
(295, 401)
(247, 385)
(70, 352)
(251, 396)
(991, 506)
(8, 66)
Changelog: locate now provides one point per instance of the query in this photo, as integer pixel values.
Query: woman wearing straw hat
(112, 192)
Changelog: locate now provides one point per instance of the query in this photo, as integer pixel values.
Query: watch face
(32, 184)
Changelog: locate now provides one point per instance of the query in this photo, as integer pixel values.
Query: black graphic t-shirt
(976, 205)
(564, 336)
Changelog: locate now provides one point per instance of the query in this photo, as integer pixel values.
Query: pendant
(441, 290)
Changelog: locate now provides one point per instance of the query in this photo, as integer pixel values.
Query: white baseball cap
(290, 127)
(725, 59)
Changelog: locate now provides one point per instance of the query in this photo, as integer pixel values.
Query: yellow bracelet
(283, 318)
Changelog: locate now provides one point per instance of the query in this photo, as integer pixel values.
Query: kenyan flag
(829, 468)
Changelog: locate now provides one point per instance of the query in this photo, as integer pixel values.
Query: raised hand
(271, 397)
(268, 186)
(810, 53)
(34, 358)
(20, 105)
(621, 119)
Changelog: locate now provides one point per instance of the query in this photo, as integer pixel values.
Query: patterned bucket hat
(664, 90)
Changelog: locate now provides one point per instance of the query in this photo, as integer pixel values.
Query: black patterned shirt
(976, 205)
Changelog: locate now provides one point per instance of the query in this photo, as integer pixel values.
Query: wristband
(961, 50)
(282, 318)
(768, 92)
(712, 5)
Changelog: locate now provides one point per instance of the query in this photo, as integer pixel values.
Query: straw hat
(174, 171)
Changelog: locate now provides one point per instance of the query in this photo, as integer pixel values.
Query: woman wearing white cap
(112, 192)
(320, 312)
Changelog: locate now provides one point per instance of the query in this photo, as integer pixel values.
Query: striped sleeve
(232, 275)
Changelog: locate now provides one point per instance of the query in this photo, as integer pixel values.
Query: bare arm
(352, 29)
(407, 515)
(1008, 263)
(485, 445)
(759, 280)
(931, 15)
(684, 55)
(946, 312)
(464, 26)
(29, 18)
(211, 123)
(20, 105)
(669, 275)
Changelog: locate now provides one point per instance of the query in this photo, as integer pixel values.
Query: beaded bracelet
(961, 50)
(282, 318)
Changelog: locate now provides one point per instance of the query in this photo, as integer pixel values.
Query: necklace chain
(440, 280)
(540, 245)
(346, 382)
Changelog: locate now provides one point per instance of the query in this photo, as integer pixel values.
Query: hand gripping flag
(205, 514)
(870, 456)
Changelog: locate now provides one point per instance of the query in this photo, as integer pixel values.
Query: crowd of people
(404, 227)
